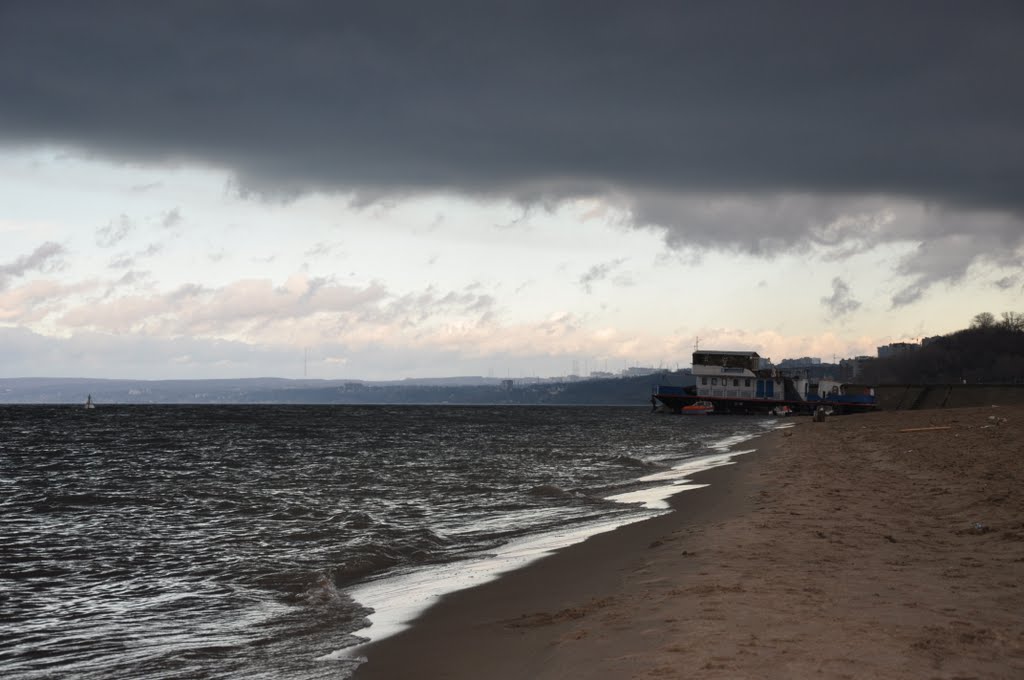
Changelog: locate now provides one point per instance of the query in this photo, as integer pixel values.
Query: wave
(252, 522)
(634, 462)
(73, 502)
(550, 491)
(386, 548)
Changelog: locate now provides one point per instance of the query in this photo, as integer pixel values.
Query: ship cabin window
(735, 382)
(746, 383)
(703, 381)
(714, 381)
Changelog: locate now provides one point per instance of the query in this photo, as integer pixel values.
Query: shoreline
(402, 599)
(839, 549)
(484, 618)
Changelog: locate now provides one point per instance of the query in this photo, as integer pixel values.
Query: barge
(736, 383)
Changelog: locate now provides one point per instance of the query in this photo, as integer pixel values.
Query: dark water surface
(222, 541)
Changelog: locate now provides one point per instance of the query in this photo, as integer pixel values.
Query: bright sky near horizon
(195, 190)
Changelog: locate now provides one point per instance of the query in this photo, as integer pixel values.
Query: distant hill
(991, 354)
(461, 390)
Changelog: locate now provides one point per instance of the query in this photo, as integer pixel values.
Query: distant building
(853, 369)
(507, 385)
(802, 362)
(886, 351)
(638, 371)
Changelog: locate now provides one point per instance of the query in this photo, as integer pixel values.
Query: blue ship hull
(675, 398)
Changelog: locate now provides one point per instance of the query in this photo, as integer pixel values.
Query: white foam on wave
(677, 478)
(398, 599)
(655, 498)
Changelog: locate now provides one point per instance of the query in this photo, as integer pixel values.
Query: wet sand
(888, 545)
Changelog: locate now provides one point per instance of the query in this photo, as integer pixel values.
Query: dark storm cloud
(656, 103)
(916, 98)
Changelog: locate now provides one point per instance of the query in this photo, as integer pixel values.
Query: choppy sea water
(269, 541)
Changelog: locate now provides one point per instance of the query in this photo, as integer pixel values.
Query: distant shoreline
(631, 391)
(461, 391)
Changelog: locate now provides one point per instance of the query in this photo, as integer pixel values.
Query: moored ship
(735, 383)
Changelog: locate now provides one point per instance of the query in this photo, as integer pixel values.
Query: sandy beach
(888, 545)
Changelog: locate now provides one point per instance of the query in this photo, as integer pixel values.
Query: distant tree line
(1013, 321)
(990, 351)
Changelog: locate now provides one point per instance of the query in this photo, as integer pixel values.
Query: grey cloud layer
(657, 103)
(916, 98)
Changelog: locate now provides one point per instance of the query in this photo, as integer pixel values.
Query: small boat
(698, 408)
(88, 402)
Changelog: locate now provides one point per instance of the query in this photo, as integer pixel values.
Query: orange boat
(698, 408)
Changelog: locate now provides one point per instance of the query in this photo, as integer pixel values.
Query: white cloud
(504, 299)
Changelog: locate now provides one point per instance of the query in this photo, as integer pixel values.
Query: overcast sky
(410, 189)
